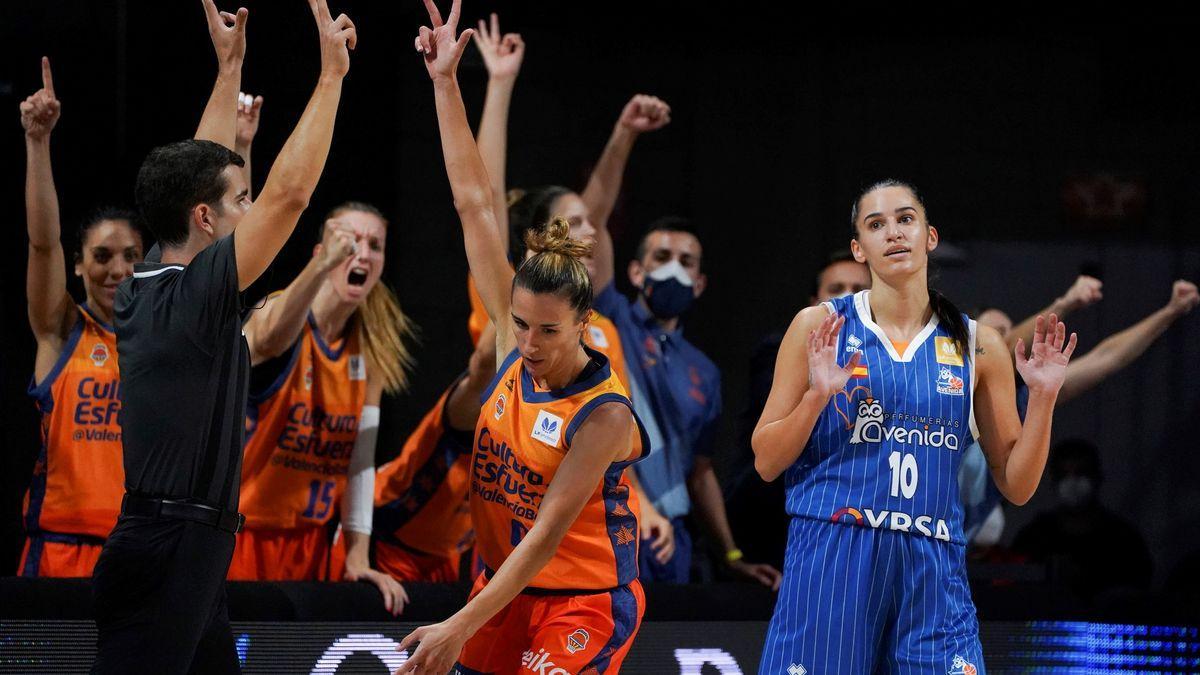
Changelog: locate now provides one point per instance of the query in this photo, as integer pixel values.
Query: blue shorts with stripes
(861, 600)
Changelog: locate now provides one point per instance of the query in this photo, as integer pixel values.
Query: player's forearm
(218, 123)
(604, 184)
(280, 326)
(778, 444)
(1027, 459)
(358, 549)
(486, 255)
(493, 145)
(1114, 353)
(706, 493)
(41, 197)
(527, 559)
(294, 176)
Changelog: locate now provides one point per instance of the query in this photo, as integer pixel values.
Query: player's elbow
(470, 203)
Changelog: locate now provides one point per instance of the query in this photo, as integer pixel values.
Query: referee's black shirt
(184, 376)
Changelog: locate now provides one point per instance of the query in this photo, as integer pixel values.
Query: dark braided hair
(948, 315)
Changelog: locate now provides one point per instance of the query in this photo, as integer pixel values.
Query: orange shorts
(407, 565)
(302, 554)
(45, 558)
(556, 634)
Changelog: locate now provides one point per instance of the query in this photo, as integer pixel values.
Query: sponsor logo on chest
(547, 428)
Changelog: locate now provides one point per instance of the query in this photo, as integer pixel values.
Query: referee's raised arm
(269, 222)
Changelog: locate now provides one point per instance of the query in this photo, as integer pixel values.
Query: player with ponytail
(555, 518)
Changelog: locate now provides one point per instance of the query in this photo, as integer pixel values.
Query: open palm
(1045, 367)
(825, 376)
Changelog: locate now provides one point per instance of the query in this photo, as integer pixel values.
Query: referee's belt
(172, 509)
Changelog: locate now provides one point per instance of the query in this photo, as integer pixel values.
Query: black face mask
(668, 291)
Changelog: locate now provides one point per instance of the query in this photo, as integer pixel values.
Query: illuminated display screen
(687, 648)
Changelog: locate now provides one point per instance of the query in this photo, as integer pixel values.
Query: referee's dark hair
(665, 224)
(176, 177)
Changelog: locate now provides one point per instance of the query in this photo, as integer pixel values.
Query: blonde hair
(384, 329)
(555, 266)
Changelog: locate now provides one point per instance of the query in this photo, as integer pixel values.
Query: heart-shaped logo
(848, 395)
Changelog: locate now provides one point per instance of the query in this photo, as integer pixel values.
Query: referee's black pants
(159, 591)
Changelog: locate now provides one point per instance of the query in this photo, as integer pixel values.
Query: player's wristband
(733, 555)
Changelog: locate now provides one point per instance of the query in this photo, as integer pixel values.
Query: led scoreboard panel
(662, 648)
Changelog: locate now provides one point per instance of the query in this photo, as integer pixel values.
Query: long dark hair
(947, 314)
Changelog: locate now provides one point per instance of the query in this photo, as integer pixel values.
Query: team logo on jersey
(870, 417)
(868, 425)
(308, 378)
(547, 428)
(797, 669)
(947, 351)
(853, 343)
(99, 354)
(599, 341)
(624, 535)
(961, 666)
(358, 367)
(577, 640)
(949, 383)
(500, 401)
(896, 521)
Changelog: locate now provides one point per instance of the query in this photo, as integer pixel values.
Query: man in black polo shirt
(159, 584)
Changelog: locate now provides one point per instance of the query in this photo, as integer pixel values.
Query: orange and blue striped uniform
(300, 434)
(590, 584)
(79, 479)
(422, 521)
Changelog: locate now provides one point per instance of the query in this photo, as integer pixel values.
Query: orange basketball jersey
(601, 334)
(300, 434)
(521, 438)
(421, 496)
(79, 478)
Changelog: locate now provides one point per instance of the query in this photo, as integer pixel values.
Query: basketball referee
(159, 585)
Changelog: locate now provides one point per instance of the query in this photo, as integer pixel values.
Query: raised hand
(39, 112)
(228, 33)
(1085, 291)
(336, 246)
(1046, 365)
(502, 54)
(1184, 297)
(825, 376)
(438, 45)
(337, 37)
(247, 118)
(645, 113)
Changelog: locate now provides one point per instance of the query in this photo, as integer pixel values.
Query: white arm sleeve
(359, 500)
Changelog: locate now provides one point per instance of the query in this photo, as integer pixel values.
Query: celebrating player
(323, 350)
(875, 396)
(556, 528)
(78, 480)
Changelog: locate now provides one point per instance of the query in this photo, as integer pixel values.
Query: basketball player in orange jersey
(322, 350)
(503, 55)
(422, 523)
(553, 514)
(78, 481)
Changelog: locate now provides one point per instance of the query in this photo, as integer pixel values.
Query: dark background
(778, 121)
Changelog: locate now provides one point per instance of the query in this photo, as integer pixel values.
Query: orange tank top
(521, 438)
(421, 496)
(79, 478)
(300, 434)
(601, 335)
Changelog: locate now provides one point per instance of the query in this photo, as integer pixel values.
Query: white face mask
(1075, 491)
(672, 270)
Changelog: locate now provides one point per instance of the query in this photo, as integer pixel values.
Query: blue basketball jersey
(885, 451)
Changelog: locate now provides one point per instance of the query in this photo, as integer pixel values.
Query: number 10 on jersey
(904, 474)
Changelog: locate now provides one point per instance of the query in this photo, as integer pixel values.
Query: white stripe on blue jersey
(885, 451)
